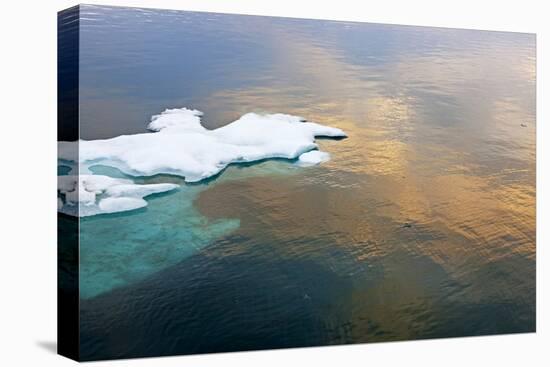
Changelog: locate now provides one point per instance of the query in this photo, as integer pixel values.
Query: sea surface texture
(421, 224)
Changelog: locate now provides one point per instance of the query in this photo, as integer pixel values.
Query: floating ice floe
(180, 145)
(87, 195)
(313, 157)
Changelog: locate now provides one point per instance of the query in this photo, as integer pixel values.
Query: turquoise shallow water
(117, 250)
(422, 224)
(122, 248)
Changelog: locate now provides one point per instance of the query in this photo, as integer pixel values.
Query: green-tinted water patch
(119, 249)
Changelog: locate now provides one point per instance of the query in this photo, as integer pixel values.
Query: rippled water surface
(422, 225)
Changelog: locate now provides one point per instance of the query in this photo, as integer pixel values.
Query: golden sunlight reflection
(420, 225)
(417, 187)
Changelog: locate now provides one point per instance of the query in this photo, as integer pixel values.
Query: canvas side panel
(68, 226)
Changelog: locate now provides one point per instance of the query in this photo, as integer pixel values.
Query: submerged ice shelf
(120, 250)
(180, 145)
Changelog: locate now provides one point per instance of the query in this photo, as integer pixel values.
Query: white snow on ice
(88, 195)
(313, 157)
(180, 145)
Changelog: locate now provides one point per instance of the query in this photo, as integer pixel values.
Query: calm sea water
(422, 225)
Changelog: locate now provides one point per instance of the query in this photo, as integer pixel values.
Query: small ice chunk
(313, 157)
(177, 118)
(87, 195)
(120, 204)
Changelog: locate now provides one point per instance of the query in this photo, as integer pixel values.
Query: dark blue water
(422, 225)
